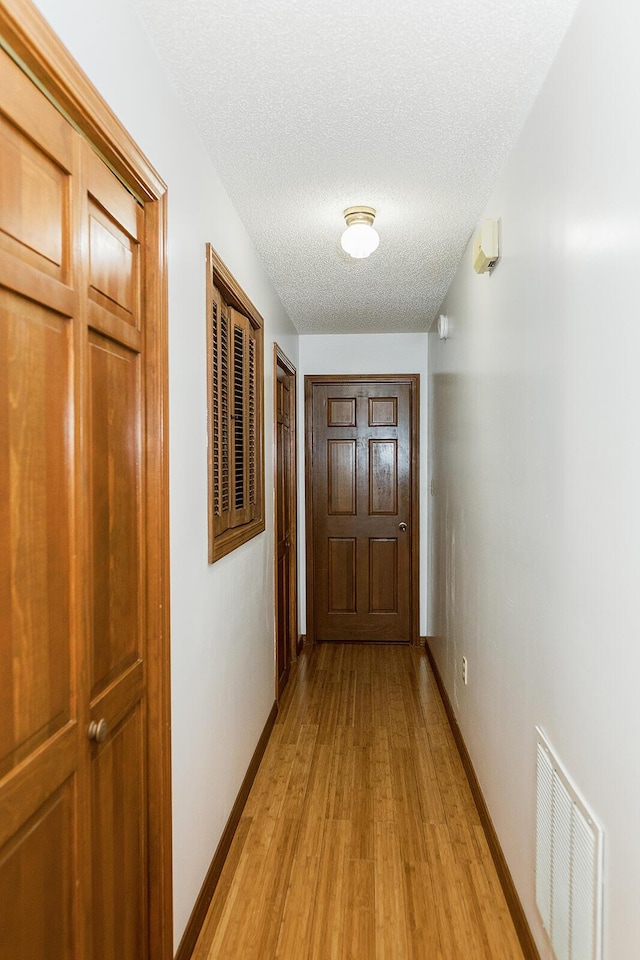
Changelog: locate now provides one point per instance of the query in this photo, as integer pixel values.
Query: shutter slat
(215, 403)
(252, 422)
(238, 415)
(224, 414)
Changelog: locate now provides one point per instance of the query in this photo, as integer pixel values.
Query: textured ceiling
(310, 106)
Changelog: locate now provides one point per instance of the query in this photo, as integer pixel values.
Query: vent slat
(543, 836)
(560, 869)
(583, 880)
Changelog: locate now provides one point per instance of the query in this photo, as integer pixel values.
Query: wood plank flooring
(360, 839)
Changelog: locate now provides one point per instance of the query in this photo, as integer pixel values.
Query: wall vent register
(569, 849)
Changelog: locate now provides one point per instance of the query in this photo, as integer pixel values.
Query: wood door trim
(413, 380)
(281, 360)
(160, 811)
(29, 40)
(231, 290)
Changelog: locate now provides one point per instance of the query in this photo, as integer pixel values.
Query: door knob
(403, 527)
(98, 730)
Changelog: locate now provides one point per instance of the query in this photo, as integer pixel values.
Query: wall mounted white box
(486, 247)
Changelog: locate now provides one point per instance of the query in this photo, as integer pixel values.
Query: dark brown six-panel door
(362, 507)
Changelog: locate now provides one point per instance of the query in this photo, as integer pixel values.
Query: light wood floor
(360, 839)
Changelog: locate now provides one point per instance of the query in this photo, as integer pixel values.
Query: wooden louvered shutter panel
(225, 418)
(252, 426)
(235, 404)
(240, 506)
(220, 402)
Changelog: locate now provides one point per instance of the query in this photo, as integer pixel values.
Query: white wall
(222, 633)
(535, 411)
(361, 353)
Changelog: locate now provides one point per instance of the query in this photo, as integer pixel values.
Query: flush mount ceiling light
(359, 239)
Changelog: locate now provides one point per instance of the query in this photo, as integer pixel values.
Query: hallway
(360, 838)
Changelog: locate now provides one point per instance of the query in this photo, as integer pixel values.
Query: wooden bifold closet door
(74, 383)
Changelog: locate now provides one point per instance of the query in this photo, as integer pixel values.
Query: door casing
(413, 380)
(282, 366)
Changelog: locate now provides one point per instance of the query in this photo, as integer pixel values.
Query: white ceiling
(309, 106)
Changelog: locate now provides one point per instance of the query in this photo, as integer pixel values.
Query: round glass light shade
(360, 240)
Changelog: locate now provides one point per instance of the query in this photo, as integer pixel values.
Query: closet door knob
(98, 730)
(403, 527)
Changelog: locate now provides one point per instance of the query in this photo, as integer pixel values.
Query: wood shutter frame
(235, 388)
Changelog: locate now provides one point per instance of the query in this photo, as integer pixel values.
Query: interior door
(73, 831)
(361, 488)
(113, 228)
(40, 741)
(285, 521)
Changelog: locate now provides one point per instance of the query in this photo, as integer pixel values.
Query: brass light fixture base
(360, 215)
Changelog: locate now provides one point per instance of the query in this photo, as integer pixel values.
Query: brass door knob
(98, 730)
(403, 527)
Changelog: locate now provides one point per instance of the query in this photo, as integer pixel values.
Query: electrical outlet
(465, 672)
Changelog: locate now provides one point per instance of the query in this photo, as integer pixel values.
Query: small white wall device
(443, 326)
(486, 252)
